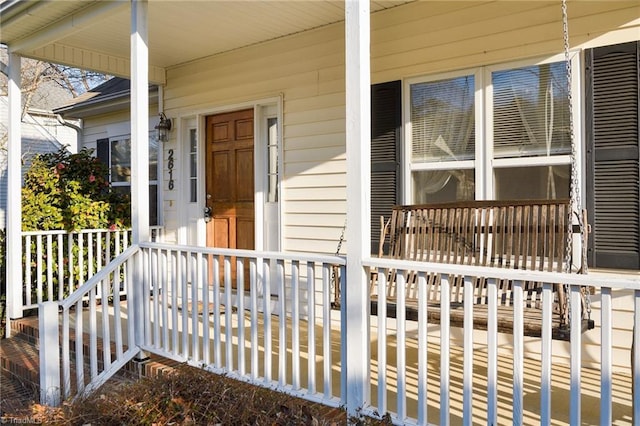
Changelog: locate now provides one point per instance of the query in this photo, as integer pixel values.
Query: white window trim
(487, 107)
(554, 160)
(407, 165)
(263, 112)
(484, 163)
(443, 165)
(191, 213)
(157, 181)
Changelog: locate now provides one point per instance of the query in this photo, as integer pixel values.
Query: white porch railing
(266, 318)
(55, 263)
(85, 339)
(254, 316)
(262, 317)
(414, 338)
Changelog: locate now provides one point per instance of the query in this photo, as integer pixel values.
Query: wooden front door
(230, 176)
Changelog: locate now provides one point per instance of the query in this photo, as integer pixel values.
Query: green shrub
(71, 192)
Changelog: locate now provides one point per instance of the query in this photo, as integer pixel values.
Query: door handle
(207, 214)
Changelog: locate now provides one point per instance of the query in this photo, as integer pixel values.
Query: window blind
(443, 120)
(531, 111)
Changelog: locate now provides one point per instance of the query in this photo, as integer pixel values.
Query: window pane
(193, 141)
(193, 165)
(153, 200)
(436, 186)
(442, 119)
(544, 182)
(153, 205)
(531, 111)
(123, 190)
(121, 160)
(193, 191)
(272, 155)
(153, 158)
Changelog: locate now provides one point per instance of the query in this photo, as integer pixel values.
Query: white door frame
(192, 214)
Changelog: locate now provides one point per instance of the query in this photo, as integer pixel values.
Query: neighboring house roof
(112, 95)
(35, 140)
(48, 96)
(44, 94)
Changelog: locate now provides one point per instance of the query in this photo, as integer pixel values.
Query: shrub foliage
(71, 192)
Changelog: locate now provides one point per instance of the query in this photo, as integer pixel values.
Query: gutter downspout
(78, 129)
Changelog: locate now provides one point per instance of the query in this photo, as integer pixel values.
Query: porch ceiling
(94, 34)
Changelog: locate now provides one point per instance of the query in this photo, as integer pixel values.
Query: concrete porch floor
(590, 396)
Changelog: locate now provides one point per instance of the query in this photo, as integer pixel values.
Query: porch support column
(14, 196)
(139, 122)
(358, 136)
(139, 154)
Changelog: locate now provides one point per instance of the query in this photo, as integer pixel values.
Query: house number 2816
(170, 167)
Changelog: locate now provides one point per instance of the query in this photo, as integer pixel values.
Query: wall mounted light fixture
(163, 128)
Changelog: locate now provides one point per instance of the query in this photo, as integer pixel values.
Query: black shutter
(613, 147)
(386, 121)
(102, 151)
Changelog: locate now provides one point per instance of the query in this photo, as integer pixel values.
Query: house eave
(94, 35)
(10, 9)
(102, 105)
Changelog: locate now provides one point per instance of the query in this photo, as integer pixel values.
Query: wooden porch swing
(525, 234)
(534, 235)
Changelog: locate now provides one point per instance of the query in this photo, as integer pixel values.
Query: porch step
(19, 362)
(15, 395)
(20, 366)
(26, 330)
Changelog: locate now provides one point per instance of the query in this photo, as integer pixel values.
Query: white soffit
(95, 34)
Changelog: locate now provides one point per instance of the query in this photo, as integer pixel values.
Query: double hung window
(504, 132)
(442, 139)
(116, 154)
(491, 133)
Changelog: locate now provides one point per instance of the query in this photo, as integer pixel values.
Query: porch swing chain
(575, 191)
(334, 271)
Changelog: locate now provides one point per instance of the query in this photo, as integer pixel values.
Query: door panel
(244, 128)
(221, 189)
(244, 175)
(221, 232)
(244, 236)
(230, 182)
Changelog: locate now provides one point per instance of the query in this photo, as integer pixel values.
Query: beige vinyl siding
(423, 37)
(419, 38)
(307, 70)
(623, 320)
(335, 152)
